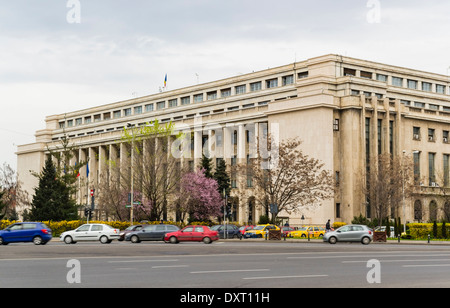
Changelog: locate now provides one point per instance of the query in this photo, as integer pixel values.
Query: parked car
(383, 229)
(232, 231)
(129, 229)
(91, 232)
(312, 231)
(245, 228)
(260, 230)
(36, 232)
(286, 230)
(192, 233)
(150, 233)
(350, 233)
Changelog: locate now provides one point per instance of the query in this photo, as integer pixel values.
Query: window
(240, 89)
(225, 92)
(173, 102)
(349, 72)
(148, 107)
(431, 170)
(138, 110)
(62, 124)
(271, 83)
(416, 159)
(446, 170)
(69, 123)
(97, 228)
(381, 77)
(364, 74)
(185, 100)
(302, 75)
(445, 136)
(286, 80)
(255, 86)
(336, 125)
(198, 98)
(211, 95)
(433, 107)
(78, 121)
(87, 120)
(412, 84)
(426, 86)
(106, 116)
(419, 105)
(440, 89)
(117, 114)
(160, 105)
(416, 133)
(127, 112)
(431, 134)
(398, 82)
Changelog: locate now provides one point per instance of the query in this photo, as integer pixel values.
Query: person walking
(328, 226)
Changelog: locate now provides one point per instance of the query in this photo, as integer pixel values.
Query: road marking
(169, 266)
(386, 261)
(139, 261)
(426, 265)
(232, 271)
(285, 277)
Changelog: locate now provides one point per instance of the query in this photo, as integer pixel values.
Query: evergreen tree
(206, 164)
(222, 178)
(435, 229)
(444, 230)
(52, 198)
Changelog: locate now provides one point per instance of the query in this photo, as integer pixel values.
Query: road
(229, 264)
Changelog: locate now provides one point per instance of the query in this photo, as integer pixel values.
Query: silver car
(349, 233)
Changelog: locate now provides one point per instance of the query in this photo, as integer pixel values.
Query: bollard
(399, 238)
(428, 239)
(308, 236)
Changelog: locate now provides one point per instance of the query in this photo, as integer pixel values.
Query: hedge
(421, 230)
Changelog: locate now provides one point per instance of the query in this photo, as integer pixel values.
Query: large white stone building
(345, 111)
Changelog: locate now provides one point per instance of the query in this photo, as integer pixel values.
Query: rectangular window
(271, 83)
(198, 98)
(349, 72)
(431, 136)
(87, 120)
(440, 89)
(426, 86)
(397, 81)
(160, 105)
(445, 136)
(225, 92)
(416, 159)
(255, 86)
(433, 107)
(148, 107)
(367, 75)
(416, 133)
(336, 125)
(211, 95)
(431, 170)
(446, 170)
(117, 114)
(419, 105)
(173, 102)
(302, 75)
(78, 121)
(106, 116)
(381, 77)
(286, 80)
(185, 100)
(412, 84)
(127, 112)
(138, 110)
(240, 89)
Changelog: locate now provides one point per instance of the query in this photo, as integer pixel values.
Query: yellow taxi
(312, 231)
(260, 231)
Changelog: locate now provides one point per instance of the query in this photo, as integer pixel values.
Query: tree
(13, 194)
(222, 178)
(2, 205)
(199, 196)
(288, 178)
(206, 165)
(52, 198)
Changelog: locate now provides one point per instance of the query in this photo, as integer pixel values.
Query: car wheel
(135, 239)
(37, 240)
(68, 240)
(173, 240)
(1, 241)
(303, 235)
(365, 240)
(332, 240)
(207, 240)
(104, 240)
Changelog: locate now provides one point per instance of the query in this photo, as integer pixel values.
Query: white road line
(232, 271)
(169, 266)
(386, 261)
(285, 277)
(426, 265)
(139, 261)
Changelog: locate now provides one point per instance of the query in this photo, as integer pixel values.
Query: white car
(90, 232)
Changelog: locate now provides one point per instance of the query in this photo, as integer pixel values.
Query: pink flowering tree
(199, 196)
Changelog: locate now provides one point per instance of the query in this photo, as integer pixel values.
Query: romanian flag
(165, 81)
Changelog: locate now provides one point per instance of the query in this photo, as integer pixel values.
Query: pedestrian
(328, 226)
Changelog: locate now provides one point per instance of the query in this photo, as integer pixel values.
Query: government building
(344, 110)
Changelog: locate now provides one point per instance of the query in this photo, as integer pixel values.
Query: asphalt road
(228, 264)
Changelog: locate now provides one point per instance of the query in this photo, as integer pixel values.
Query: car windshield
(214, 228)
(259, 227)
(302, 229)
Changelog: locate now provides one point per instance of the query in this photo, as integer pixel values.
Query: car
(245, 228)
(383, 229)
(286, 230)
(129, 229)
(91, 232)
(36, 232)
(150, 233)
(350, 233)
(260, 231)
(311, 231)
(192, 233)
(232, 231)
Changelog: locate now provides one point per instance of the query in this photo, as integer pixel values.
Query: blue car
(36, 232)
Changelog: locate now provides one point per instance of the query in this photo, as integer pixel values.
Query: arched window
(418, 210)
(433, 210)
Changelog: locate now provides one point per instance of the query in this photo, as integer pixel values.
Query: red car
(245, 228)
(192, 233)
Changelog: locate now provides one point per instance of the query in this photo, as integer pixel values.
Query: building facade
(344, 110)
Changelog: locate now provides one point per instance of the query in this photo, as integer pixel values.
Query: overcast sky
(53, 60)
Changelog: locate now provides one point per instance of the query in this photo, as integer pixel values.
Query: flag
(87, 170)
(165, 81)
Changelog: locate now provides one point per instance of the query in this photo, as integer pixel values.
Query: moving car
(91, 232)
(192, 233)
(36, 232)
(232, 231)
(350, 233)
(312, 231)
(150, 233)
(260, 230)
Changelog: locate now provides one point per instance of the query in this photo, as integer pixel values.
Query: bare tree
(288, 178)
